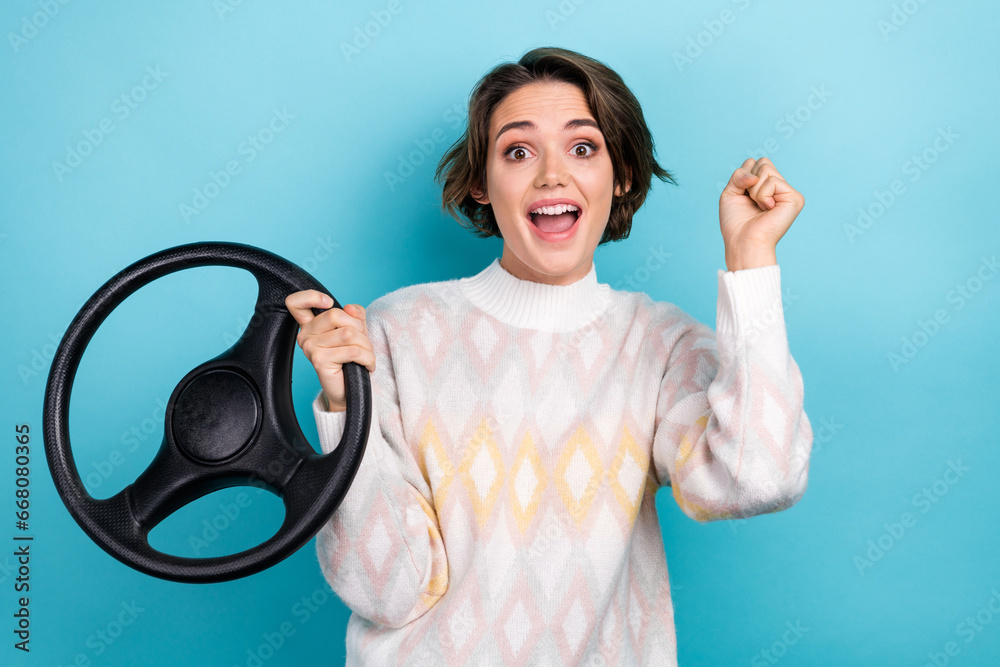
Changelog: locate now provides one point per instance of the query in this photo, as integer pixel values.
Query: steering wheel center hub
(215, 416)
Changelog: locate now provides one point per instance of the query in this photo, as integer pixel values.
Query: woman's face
(546, 151)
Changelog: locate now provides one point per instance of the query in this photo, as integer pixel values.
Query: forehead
(541, 102)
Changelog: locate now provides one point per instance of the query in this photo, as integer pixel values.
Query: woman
(525, 416)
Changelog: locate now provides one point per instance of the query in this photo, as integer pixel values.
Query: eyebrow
(528, 125)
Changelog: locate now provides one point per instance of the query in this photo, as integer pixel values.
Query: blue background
(843, 97)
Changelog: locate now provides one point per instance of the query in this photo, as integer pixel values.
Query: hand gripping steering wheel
(229, 422)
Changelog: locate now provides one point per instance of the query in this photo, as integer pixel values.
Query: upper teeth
(555, 210)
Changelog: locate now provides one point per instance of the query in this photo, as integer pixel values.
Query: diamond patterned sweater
(503, 513)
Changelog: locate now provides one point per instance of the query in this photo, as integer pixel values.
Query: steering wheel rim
(229, 422)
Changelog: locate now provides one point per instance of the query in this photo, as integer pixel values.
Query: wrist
(329, 407)
(750, 257)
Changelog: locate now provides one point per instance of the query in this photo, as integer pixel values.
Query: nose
(552, 169)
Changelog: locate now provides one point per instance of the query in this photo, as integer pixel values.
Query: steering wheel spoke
(268, 332)
(169, 483)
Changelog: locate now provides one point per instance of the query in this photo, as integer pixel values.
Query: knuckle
(323, 358)
(326, 319)
(360, 336)
(308, 346)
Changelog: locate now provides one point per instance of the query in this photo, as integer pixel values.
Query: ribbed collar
(530, 305)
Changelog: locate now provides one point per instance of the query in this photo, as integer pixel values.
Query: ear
(479, 196)
(628, 186)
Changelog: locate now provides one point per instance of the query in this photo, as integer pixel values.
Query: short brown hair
(615, 108)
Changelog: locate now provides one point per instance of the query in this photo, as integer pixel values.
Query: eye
(585, 144)
(520, 153)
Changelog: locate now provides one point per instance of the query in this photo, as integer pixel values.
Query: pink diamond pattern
(638, 612)
(767, 416)
(462, 624)
(336, 544)
(520, 623)
(575, 619)
(484, 342)
(588, 354)
(378, 540)
(430, 333)
(611, 637)
(539, 354)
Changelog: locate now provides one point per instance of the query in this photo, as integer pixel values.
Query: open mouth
(554, 219)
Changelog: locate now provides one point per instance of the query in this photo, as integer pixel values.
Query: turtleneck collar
(530, 305)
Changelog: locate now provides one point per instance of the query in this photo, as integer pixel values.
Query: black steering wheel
(229, 422)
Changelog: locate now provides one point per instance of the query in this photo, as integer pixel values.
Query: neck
(528, 304)
(514, 266)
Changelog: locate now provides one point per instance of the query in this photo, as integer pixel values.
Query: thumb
(740, 181)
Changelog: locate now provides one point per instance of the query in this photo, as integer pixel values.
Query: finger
(763, 171)
(328, 322)
(340, 345)
(783, 192)
(342, 354)
(763, 193)
(346, 334)
(747, 172)
(740, 180)
(763, 190)
(763, 168)
(358, 312)
(343, 336)
(300, 304)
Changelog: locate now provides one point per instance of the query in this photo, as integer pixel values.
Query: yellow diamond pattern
(700, 513)
(482, 442)
(686, 448)
(438, 584)
(579, 442)
(685, 451)
(482, 454)
(430, 440)
(527, 455)
(629, 450)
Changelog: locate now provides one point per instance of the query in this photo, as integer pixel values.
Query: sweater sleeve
(731, 437)
(382, 551)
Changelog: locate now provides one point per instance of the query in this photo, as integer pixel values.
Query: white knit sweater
(503, 513)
